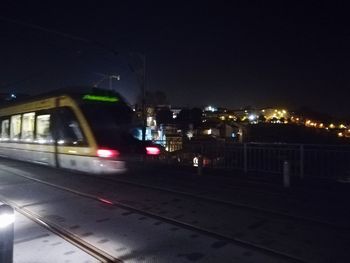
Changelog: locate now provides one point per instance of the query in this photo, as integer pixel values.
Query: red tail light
(152, 150)
(106, 153)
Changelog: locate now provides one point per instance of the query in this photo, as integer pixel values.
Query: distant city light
(210, 108)
(252, 117)
(189, 134)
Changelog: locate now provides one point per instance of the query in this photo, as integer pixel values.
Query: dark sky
(228, 53)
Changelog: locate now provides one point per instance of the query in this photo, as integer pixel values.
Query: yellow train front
(87, 130)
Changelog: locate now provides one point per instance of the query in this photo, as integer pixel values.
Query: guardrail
(328, 161)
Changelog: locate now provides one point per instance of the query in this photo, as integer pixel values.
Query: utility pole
(143, 90)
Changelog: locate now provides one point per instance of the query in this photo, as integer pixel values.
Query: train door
(71, 143)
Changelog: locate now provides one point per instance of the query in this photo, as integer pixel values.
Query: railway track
(244, 206)
(251, 184)
(94, 251)
(240, 242)
(239, 205)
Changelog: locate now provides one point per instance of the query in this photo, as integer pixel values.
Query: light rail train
(87, 130)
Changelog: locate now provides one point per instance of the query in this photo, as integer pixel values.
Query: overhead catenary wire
(140, 75)
(60, 33)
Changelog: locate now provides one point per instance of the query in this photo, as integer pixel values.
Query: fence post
(286, 174)
(7, 217)
(301, 162)
(245, 158)
(200, 164)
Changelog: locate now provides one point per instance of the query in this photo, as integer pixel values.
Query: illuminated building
(275, 114)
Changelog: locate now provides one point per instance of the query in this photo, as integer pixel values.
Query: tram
(87, 130)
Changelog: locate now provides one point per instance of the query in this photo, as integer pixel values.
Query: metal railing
(328, 161)
(170, 145)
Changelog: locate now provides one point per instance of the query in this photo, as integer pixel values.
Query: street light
(7, 218)
(117, 77)
(104, 77)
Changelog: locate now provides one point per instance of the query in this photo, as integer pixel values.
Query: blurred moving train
(88, 131)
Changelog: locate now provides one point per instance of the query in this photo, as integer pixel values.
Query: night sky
(207, 52)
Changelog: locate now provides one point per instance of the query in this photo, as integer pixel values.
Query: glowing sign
(100, 98)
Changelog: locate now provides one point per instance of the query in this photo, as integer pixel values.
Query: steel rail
(243, 243)
(95, 252)
(239, 205)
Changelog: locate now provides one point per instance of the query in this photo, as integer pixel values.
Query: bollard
(200, 165)
(245, 158)
(7, 218)
(286, 174)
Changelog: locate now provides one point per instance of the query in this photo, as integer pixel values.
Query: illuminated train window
(43, 134)
(15, 127)
(5, 130)
(28, 121)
